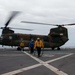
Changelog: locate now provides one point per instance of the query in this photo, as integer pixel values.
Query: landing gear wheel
(58, 48)
(52, 48)
(19, 49)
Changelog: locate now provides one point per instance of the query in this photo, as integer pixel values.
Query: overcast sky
(47, 11)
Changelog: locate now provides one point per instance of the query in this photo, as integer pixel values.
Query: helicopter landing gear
(19, 49)
(52, 48)
(58, 48)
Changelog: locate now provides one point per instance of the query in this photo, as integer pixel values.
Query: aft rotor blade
(21, 29)
(71, 24)
(47, 23)
(37, 23)
(13, 14)
(68, 24)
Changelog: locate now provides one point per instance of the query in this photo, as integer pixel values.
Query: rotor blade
(13, 14)
(36, 23)
(1, 27)
(21, 29)
(68, 24)
(47, 23)
(71, 24)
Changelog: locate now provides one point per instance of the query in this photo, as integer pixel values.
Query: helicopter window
(21, 38)
(61, 34)
(10, 37)
(1, 37)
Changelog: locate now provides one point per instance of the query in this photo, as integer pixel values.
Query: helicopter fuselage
(56, 38)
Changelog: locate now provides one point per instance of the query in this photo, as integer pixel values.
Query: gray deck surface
(13, 62)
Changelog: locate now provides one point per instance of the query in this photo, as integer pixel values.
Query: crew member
(38, 45)
(31, 46)
(22, 45)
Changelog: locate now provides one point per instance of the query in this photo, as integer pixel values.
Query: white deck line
(21, 70)
(55, 70)
(49, 61)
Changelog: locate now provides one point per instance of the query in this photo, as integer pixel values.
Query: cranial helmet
(32, 40)
(38, 38)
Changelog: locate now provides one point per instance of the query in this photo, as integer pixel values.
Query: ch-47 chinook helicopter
(57, 36)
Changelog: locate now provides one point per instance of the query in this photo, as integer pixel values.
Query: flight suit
(38, 45)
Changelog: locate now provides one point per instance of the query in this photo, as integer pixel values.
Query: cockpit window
(10, 37)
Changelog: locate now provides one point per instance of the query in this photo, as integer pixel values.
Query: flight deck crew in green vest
(38, 45)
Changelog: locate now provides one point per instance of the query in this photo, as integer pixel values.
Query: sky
(46, 11)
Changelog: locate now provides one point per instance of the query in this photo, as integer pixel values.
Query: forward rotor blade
(68, 24)
(1, 27)
(13, 14)
(21, 29)
(36, 23)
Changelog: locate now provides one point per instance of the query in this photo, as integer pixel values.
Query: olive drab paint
(56, 38)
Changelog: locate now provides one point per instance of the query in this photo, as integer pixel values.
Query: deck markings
(11, 55)
(52, 68)
(21, 70)
(49, 61)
